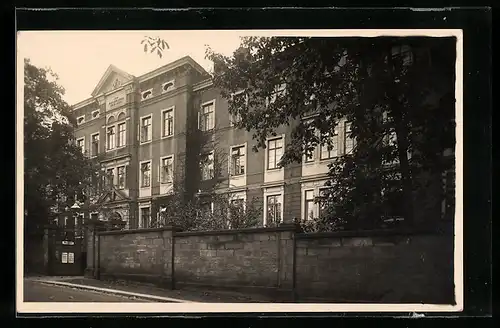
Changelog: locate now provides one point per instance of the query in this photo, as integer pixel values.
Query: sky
(80, 58)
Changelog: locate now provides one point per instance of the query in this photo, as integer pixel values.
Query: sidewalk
(153, 293)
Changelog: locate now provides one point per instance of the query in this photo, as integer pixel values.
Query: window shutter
(199, 120)
(138, 133)
(150, 130)
(158, 175)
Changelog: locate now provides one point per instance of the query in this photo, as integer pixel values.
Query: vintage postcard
(239, 171)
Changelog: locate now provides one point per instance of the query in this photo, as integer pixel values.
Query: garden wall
(339, 267)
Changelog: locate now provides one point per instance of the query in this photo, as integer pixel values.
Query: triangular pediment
(112, 79)
(113, 195)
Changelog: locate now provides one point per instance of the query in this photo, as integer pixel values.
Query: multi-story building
(148, 130)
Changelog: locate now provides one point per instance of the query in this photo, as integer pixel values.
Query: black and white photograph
(228, 170)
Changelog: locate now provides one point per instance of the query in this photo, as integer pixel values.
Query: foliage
(357, 80)
(397, 93)
(155, 44)
(56, 172)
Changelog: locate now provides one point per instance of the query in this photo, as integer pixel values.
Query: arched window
(111, 119)
(121, 116)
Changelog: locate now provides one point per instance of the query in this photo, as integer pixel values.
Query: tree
(397, 94)
(191, 213)
(56, 173)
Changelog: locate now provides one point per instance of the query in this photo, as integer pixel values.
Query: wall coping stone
(131, 231)
(370, 233)
(282, 227)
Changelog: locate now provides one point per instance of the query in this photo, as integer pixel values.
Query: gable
(112, 79)
(113, 195)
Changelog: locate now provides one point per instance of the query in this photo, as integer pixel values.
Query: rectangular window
(273, 209)
(322, 201)
(207, 116)
(95, 144)
(348, 139)
(121, 177)
(145, 217)
(146, 174)
(146, 130)
(111, 135)
(309, 204)
(240, 99)
(81, 144)
(168, 122)
(110, 177)
(274, 153)
(278, 91)
(329, 151)
(121, 134)
(167, 170)
(238, 160)
(310, 157)
(207, 166)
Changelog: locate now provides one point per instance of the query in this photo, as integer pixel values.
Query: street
(39, 292)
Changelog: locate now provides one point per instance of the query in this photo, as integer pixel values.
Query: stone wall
(335, 267)
(389, 268)
(249, 257)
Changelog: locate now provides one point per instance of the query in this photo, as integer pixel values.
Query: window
(329, 151)
(390, 139)
(207, 166)
(146, 129)
(404, 53)
(310, 157)
(238, 160)
(322, 200)
(274, 153)
(168, 122)
(147, 94)
(273, 209)
(146, 174)
(207, 116)
(145, 217)
(80, 119)
(167, 169)
(95, 114)
(121, 135)
(279, 90)
(348, 140)
(111, 135)
(240, 98)
(309, 204)
(110, 177)
(95, 144)
(81, 144)
(167, 86)
(121, 177)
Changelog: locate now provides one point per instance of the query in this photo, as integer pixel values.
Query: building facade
(146, 131)
(171, 122)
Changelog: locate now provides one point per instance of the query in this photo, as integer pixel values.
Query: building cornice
(83, 103)
(202, 85)
(170, 66)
